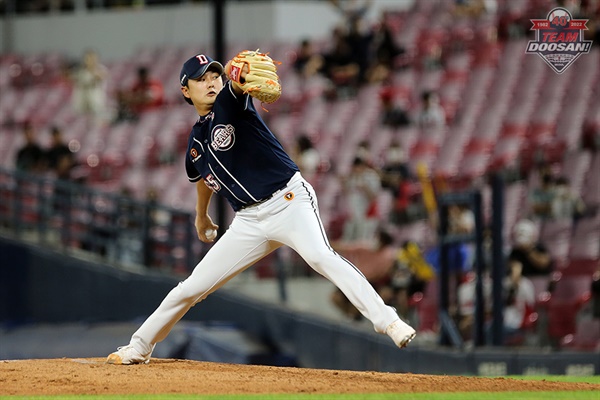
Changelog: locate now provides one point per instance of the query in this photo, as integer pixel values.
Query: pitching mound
(93, 376)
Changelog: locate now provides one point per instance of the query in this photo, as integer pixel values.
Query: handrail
(119, 229)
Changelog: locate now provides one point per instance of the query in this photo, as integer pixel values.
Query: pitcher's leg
(300, 228)
(350, 281)
(230, 255)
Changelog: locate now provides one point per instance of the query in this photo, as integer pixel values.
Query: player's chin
(210, 100)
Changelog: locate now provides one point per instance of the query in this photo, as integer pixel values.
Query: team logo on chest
(222, 137)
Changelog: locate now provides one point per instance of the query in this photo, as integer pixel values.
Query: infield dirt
(162, 376)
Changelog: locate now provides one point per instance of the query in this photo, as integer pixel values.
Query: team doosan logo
(559, 39)
(222, 137)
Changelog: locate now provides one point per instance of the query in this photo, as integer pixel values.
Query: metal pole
(219, 49)
(498, 268)
(444, 273)
(479, 298)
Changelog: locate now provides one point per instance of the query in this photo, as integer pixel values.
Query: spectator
(59, 157)
(519, 303)
(473, 8)
(542, 197)
(466, 303)
(432, 55)
(392, 115)
(385, 51)
(565, 203)
(30, 157)
(375, 262)
(340, 68)
(352, 10)
(395, 166)
(361, 190)
(89, 92)
(458, 261)
(590, 137)
(146, 94)
(63, 193)
(411, 274)
(461, 221)
(363, 151)
(528, 256)
(432, 115)
(359, 39)
(394, 177)
(308, 62)
(404, 209)
(307, 157)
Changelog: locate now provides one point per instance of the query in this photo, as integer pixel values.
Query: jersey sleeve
(231, 99)
(192, 173)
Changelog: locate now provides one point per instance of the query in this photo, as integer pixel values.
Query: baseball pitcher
(232, 153)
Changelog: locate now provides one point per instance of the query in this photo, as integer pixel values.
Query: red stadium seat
(586, 336)
(581, 267)
(426, 307)
(556, 236)
(585, 241)
(567, 298)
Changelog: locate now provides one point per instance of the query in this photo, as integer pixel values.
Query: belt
(263, 200)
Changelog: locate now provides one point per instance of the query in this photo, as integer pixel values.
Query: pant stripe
(324, 236)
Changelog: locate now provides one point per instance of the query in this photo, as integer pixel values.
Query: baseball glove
(261, 80)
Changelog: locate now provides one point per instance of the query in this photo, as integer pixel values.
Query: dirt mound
(92, 376)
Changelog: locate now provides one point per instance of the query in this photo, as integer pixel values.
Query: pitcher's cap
(197, 66)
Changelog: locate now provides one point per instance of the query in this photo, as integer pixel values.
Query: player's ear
(186, 94)
(186, 91)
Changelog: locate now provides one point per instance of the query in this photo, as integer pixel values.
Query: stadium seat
(426, 307)
(541, 286)
(585, 240)
(586, 336)
(575, 166)
(556, 236)
(591, 189)
(567, 298)
(506, 152)
(581, 267)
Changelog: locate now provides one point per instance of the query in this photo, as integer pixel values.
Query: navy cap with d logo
(197, 66)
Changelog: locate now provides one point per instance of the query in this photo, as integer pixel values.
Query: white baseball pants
(291, 218)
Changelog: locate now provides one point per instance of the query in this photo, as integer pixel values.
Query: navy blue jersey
(235, 153)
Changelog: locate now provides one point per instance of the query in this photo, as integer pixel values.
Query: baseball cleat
(400, 332)
(127, 355)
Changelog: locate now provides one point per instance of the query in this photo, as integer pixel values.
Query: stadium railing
(72, 217)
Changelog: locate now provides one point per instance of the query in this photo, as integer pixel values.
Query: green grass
(560, 378)
(580, 395)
